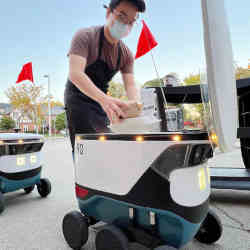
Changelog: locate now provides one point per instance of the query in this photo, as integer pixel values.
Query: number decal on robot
(80, 149)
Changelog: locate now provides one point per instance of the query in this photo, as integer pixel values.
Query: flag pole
(157, 73)
(49, 104)
(158, 76)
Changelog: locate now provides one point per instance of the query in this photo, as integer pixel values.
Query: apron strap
(101, 43)
(100, 49)
(119, 57)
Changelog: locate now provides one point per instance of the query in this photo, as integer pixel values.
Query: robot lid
(220, 76)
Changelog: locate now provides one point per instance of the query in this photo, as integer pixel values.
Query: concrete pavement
(32, 223)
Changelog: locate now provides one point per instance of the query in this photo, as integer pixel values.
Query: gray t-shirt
(85, 43)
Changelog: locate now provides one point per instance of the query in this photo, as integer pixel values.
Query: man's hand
(134, 109)
(114, 108)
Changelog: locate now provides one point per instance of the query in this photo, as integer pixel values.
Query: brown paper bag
(134, 109)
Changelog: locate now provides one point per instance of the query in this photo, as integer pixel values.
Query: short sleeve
(128, 65)
(80, 44)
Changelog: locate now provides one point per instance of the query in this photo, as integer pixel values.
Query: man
(95, 56)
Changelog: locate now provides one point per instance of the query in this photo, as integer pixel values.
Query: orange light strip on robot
(214, 139)
(139, 138)
(102, 138)
(176, 138)
(1, 142)
(20, 141)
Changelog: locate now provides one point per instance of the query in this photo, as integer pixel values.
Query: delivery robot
(21, 165)
(153, 187)
(149, 188)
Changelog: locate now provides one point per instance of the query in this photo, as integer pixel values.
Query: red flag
(26, 73)
(146, 41)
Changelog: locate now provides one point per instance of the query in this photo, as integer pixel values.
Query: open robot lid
(220, 74)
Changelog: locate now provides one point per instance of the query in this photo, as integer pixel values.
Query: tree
(192, 79)
(197, 110)
(117, 90)
(26, 98)
(52, 103)
(7, 123)
(60, 122)
(153, 83)
(242, 73)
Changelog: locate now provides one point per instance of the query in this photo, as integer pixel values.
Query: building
(25, 123)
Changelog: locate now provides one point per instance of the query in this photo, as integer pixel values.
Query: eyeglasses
(122, 17)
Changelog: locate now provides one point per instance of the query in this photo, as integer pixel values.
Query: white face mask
(119, 30)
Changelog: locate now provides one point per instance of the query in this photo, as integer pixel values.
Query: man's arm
(113, 107)
(130, 87)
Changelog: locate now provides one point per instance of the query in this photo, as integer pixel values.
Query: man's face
(125, 13)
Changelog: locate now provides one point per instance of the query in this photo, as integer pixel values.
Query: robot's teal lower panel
(7, 185)
(173, 229)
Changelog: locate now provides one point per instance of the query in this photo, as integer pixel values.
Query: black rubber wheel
(92, 221)
(28, 190)
(111, 237)
(210, 230)
(245, 151)
(75, 229)
(2, 204)
(44, 187)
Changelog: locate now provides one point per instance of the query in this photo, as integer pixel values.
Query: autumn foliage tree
(153, 83)
(241, 72)
(117, 90)
(26, 99)
(192, 79)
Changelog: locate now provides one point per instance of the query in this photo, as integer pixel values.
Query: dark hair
(139, 4)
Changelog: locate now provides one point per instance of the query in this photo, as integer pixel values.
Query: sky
(41, 31)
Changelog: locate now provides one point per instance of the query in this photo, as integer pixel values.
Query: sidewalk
(55, 137)
(232, 206)
(228, 160)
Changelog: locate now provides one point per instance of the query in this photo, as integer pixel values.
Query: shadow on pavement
(230, 197)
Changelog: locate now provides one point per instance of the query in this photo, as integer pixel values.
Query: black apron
(84, 115)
